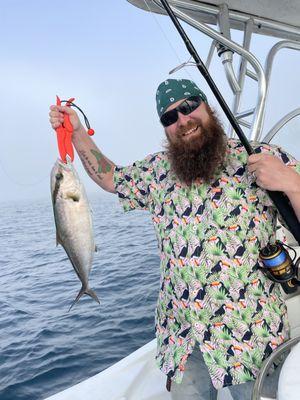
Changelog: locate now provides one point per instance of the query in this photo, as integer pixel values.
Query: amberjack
(73, 221)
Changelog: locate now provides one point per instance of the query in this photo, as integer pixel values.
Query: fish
(73, 221)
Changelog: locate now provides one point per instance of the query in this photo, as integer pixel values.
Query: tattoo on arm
(103, 165)
(90, 168)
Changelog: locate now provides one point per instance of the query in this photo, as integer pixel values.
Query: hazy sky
(110, 56)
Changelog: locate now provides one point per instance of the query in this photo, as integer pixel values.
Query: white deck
(134, 378)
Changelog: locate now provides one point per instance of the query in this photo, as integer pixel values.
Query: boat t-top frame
(269, 17)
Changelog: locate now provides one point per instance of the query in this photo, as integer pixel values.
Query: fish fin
(91, 293)
(83, 291)
(58, 241)
(80, 294)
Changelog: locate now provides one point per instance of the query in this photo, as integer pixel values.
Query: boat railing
(280, 124)
(268, 363)
(284, 44)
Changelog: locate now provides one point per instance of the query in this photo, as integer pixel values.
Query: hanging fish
(74, 228)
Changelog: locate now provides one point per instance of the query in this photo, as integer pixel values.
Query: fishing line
(14, 181)
(169, 42)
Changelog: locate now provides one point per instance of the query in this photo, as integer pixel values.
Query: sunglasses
(185, 108)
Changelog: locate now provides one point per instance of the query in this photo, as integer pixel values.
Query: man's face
(196, 144)
(187, 127)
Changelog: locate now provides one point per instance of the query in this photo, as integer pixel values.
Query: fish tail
(80, 294)
(91, 293)
(83, 291)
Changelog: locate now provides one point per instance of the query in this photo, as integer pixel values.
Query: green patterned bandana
(172, 90)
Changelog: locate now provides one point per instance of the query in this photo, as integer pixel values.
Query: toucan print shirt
(213, 293)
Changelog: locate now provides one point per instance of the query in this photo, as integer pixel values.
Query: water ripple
(45, 348)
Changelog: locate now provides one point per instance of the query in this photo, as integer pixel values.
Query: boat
(136, 377)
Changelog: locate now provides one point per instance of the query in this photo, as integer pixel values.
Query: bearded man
(218, 316)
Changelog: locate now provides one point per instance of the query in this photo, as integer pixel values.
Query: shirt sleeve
(132, 185)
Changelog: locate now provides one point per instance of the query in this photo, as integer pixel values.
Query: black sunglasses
(185, 108)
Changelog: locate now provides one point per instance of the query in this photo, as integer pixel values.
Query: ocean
(45, 348)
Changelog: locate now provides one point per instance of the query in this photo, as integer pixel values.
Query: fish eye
(59, 176)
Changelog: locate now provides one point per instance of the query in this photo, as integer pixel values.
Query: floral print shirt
(212, 291)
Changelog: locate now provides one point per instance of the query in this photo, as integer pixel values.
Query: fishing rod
(279, 199)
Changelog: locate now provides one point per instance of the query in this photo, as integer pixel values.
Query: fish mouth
(66, 166)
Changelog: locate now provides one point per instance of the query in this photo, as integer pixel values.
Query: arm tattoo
(103, 165)
(89, 167)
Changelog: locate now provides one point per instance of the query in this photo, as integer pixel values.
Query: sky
(110, 56)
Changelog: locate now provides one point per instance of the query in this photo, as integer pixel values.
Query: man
(218, 316)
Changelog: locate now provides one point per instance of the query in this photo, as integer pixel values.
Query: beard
(200, 155)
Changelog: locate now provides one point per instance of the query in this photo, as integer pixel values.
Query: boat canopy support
(280, 124)
(276, 18)
(229, 45)
(198, 14)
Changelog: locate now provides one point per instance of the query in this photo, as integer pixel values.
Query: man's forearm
(295, 202)
(294, 194)
(99, 167)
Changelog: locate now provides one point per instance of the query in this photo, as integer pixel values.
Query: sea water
(43, 347)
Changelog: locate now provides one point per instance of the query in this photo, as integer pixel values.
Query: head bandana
(172, 90)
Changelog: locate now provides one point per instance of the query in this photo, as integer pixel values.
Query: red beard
(199, 155)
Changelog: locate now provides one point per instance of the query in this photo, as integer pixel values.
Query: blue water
(43, 347)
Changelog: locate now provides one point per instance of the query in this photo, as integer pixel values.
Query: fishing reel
(279, 267)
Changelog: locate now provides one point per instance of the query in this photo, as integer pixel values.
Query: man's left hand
(272, 174)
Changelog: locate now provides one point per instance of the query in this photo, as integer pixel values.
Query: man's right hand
(99, 167)
(57, 117)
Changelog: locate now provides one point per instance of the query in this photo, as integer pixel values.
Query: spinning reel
(279, 267)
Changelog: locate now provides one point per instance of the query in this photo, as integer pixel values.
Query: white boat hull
(135, 377)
